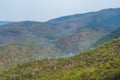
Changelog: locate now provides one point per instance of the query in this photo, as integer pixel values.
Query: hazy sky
(43, 10)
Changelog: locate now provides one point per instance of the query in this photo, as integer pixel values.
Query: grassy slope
(97, 64)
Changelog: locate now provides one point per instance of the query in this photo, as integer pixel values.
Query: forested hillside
(102, 63)
(25, 41)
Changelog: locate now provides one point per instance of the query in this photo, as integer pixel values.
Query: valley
(74, 47)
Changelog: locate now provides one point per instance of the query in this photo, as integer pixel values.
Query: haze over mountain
(104, 21)
(61, 37)
(100, 22)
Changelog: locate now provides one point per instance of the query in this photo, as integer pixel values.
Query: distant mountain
(87, 28)
(5, 22)
(68, 18)
(97, 64)
(105, 21)
(35, 36)
(26, 29)
(65, 35)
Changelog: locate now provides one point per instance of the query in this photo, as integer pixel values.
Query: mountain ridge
(54, 40)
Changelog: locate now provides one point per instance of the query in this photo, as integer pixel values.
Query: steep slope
(97, 64)
(78, 41)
